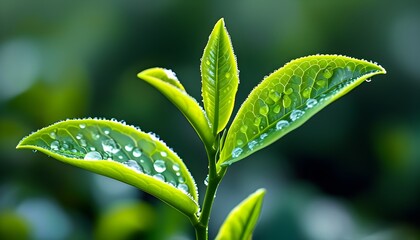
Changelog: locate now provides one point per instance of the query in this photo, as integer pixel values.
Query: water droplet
(92, 148)
(79, 136)
(264, 110)
(183, 187)
(296, 114)
(136, 152)
(65, 146)
(163, 154)
(107, 131)
(129, 147)
(244, 128)
(123, 122)
(264, 135)
(53, 134)
(288, 91)
(321, 83)
(110, 146)
(252, 144)
(208, 62)
(83, 143)
(206, 180)
(239, 142)
(94, 155)
(287, 101)
(159, 166)
(55, 145)
(176, 167)
(282, 124)
(368, 80)
(133, 165)
(275, 96)
(181, 180)
(236, 152)
(306, 92)
(82, 125)
(276, 109)
(227, 75)
(159, 177)
(310, 103)
(95, 136)
(257, 121)
(34, 150)
(327, 73)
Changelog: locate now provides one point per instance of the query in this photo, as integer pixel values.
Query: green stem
(214, 179)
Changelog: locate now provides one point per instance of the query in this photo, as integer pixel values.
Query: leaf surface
(289, 97)
(122, 152)
(220, 78)
(241, 221)
(167, 83)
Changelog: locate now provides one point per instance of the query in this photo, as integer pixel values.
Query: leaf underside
(121, 152)
(289, 97)
(241, 221)
(220, 77)
(167, 83)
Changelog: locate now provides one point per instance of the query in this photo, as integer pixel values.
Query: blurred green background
(351, 172)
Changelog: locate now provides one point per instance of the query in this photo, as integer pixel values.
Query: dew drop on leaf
(287, 101)
(263, 110)
(273, 95)
(79, 136)
(110, 146)
(244, 128)
(163, 154)
(136, 152)
(129, 147)
(94, 155)
(276, 109)
(310, 103)
(252, 144)
(55, 145)
(133, 165)
(296, 114)
(82, 125)
(159, 166)
(183, 187)
(236, 152)
(176, 167)
(159, 177)
(282, 124)
(206, 180)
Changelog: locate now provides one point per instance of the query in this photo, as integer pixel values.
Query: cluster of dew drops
(111, 149)
(282, 124)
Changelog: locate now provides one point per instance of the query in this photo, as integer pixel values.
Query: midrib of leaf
(217, 100)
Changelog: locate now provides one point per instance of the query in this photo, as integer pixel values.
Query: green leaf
(167, 83)
(241, 221)
(122, 152)
(289, 97)
(220, 78)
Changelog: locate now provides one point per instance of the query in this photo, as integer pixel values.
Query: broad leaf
(167, 83)
(289, 97)
(241, 221)
(121, 152)
(220, 78)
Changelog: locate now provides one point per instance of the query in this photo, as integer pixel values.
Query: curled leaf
(167, 83)
(122, 152)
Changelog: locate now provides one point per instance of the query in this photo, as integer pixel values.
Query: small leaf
(220, 78)
(122, 152)
(167, 83)
(241, 221)
(289, 97)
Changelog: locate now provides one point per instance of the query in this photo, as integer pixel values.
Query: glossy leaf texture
(220, 78)
(122, 152)
(289, 97)
(241, 221)
(167, 83)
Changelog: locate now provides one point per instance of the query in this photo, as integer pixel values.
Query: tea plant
(280, 103)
